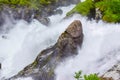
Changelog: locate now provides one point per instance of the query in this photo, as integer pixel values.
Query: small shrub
(110, 10)
(78, 75)
(91, 77)
(85, 77)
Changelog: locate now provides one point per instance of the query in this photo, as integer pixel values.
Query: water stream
(23, 42)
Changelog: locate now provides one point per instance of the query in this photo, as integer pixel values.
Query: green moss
(14, 2)
(21, 72)
(29, 3)
(51, 72)
(44, 2)
(34, 63)
(82, 8)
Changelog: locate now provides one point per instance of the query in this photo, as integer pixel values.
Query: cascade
(23, 41)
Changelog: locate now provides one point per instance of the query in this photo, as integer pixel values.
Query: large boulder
(45, 63)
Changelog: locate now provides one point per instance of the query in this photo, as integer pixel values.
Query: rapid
(21, 42)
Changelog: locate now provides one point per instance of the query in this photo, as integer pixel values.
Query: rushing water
(20, 45)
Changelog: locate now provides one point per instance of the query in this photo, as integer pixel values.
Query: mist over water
(24, 41)
(99, 52)
(20, 45)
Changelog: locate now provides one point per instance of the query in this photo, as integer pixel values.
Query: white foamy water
(99, 52)
(23, 42)
(29, 78)
(100, 49)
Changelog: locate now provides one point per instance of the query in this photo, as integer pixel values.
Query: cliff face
(45, 63)
(39, 10)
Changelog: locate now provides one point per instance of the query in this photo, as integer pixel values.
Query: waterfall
(23, 42)
(99, 52)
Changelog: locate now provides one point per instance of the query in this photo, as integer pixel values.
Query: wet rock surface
(45, 63)
(106, 78)
(113, 73)
(41, 14)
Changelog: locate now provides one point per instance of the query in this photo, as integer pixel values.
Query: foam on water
(100, 49)
(23, 42)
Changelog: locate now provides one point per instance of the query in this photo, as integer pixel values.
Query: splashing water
(23, 42)
(99, 52)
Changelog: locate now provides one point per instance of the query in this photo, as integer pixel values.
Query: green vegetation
(46, 2)
(15, 2)
(82, 8)
(85, 77)
(110, 9)
(29, 3)
(78, 75)
(91, 77)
